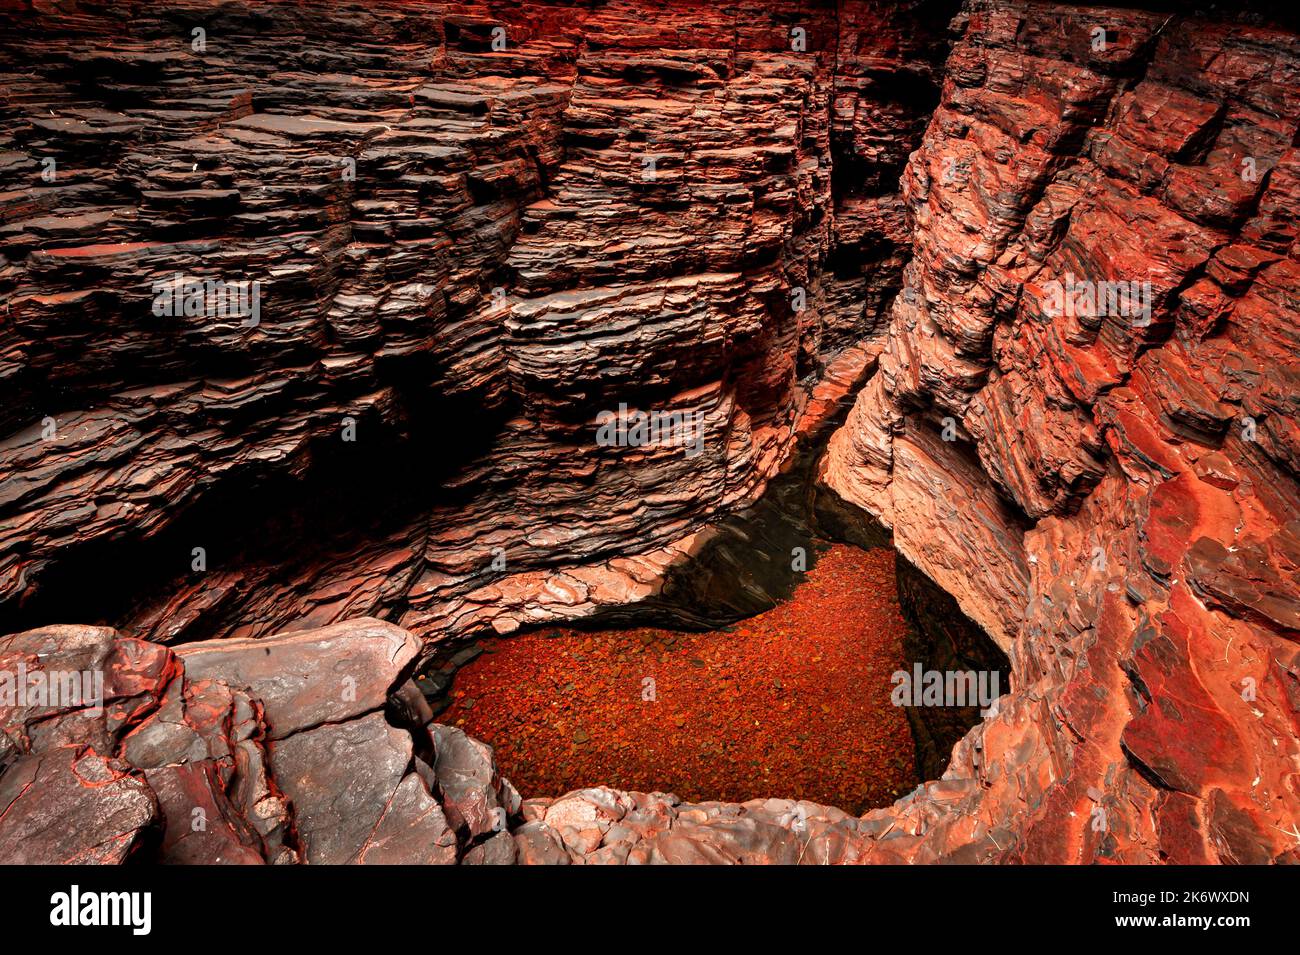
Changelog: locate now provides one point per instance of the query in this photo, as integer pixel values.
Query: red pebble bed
(794, 702)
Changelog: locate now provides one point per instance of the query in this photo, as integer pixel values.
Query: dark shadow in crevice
(344, 493)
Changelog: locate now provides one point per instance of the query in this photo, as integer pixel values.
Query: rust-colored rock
(1067, 250)
(1117, 500)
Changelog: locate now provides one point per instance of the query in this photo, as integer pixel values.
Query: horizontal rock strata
(475, 228)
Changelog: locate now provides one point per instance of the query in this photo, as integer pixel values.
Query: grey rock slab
(71, 806)
(309, 677)
(340, 780)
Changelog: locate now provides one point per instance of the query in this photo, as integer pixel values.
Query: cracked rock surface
(1119, 507)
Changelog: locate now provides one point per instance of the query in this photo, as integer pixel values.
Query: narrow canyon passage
(792, 703)
(390, 389)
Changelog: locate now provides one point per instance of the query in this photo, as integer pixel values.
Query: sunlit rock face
(1050, 248)
(1116, 502)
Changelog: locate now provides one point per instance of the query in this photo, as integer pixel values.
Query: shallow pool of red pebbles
(792, 703)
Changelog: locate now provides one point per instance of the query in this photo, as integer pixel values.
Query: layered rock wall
(1110, 491)
(475, 228)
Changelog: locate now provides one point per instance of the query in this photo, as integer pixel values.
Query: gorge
(1007, 286)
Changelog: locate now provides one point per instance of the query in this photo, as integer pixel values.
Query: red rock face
(477, 227)
(1117, 505)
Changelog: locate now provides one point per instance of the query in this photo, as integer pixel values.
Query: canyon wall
(1111, 493)
(477, 227)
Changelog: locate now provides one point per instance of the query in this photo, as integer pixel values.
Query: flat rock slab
(341, 780)
(413, 830)
(312, 677)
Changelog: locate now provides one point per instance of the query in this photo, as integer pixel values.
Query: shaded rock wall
(942, 639)
(468, 249)
(1117, 504)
